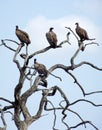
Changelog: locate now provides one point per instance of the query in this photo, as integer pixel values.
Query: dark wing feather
(54, 37)
(48, 37)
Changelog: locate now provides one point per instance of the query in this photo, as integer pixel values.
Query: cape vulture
(51, 38)
(40, 68)
(82, 33)
(22, 36)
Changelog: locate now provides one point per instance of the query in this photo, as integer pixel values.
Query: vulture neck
(77, 25)
(17, 28)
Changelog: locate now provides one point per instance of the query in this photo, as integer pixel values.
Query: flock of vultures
(52, 40)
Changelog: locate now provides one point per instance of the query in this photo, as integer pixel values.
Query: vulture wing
(48, 37)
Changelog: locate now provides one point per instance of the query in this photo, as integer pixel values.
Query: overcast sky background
(35, 17)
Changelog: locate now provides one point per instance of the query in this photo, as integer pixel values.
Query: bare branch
(92, 43)
(31, 90)
(84, 122)
(66, 69)
(6, 100)
(65, 99)
(61, 66)
(83, 100)
(24, 110)
(64, 114)
(16, 53)
(73, 33)
(45, 108)
(55, 76)
(11, 41)
(39, 52)
(3, 120)
(88, 63)
(77, 115)
(8, 107)
(40, 109)
(3, 43)
(76, 81)
(76, 53)
(96, 92)
(54, 89)
(11, 114)
(65, 41)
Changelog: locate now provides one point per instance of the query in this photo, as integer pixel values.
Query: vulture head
(17, 27)
(51, 29)
(77, 23)
(35, 60)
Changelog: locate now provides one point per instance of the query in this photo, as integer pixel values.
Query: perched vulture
(82, 33)
(51, 38)
(22, 36)
(40, 68)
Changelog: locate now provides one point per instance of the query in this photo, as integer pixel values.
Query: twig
(11, 114)
(96, 92)
(54, 76)
(83, 100)
(11, 41)
(77, 115)
(64, 114)
(3, 43)
(72, 32)
(88, 63)
(66, 41)
(81, 123)
(45, 108)
(92, 43)
(39, 52)
(75, 54)
(6, 100)
(76, 81)
(65, 99)
(8, 107)
(31, 75)
(3, 120)
(16, 53)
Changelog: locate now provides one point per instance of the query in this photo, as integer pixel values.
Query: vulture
(82, 33)
(43, 72)
(40, 68)
(51, 38)
(22, 36)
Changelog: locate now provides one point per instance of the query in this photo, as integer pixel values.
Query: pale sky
(35, 17)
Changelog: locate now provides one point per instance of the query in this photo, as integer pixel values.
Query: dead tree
(27, 72)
